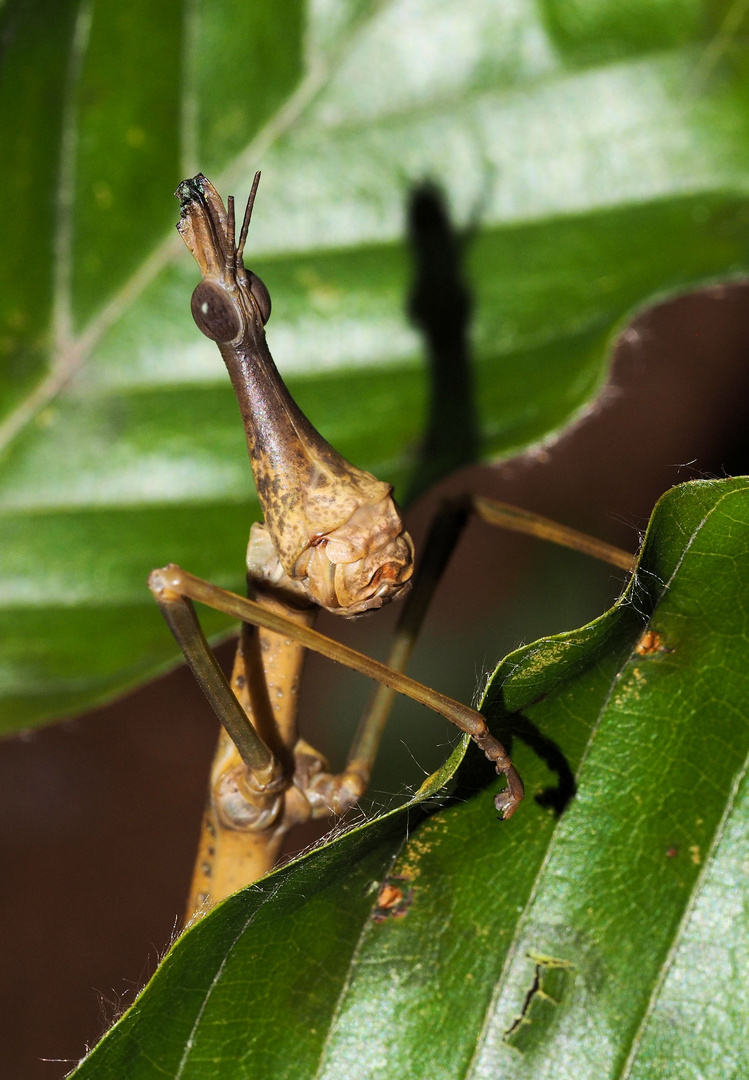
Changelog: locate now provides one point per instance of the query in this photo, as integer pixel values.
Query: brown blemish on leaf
(389, 896)
(650, 642)
(393, 900)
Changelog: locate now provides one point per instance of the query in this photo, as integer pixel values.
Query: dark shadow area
(440, 306)
(732, 459)
(551, 798)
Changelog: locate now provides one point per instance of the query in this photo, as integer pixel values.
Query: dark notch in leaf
(551, 980)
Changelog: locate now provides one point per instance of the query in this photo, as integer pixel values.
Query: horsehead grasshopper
(332, 538)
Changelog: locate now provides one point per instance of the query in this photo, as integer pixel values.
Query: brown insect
(333, 538)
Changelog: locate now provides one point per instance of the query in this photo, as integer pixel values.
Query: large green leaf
(601, 151)
(608, 942)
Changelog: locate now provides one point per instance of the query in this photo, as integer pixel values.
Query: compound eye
(261, 295)
(215, 313)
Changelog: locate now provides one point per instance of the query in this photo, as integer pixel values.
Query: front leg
(463, 716)
(252, 800)
(237, 846)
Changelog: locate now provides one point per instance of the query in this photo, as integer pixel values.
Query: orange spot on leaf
(392, 901)
(650, 642)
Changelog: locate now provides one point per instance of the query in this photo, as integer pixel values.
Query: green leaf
(605, 942)
(599, 151)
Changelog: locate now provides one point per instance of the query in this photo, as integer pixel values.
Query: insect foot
(508, 800)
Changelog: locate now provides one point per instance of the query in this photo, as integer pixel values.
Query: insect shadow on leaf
(440, 306)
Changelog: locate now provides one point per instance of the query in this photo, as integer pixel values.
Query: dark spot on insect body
(206, 868)
(191, 190)
(240, 681)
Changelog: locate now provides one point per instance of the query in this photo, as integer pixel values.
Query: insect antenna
(246, 222)
(230, 226)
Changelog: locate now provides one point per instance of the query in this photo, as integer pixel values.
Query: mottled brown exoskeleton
(333, 538)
